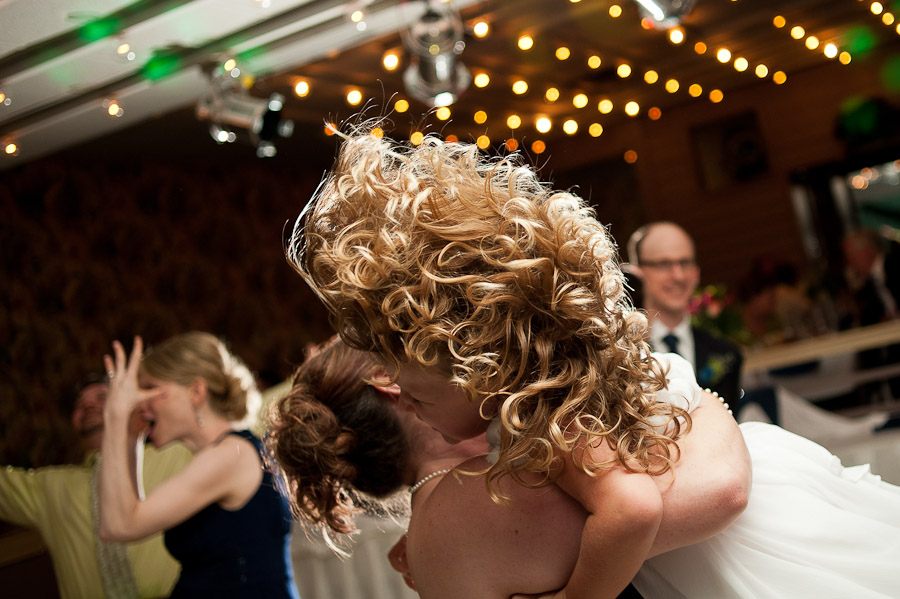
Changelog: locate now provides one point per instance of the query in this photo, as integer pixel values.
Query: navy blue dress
(238, 554)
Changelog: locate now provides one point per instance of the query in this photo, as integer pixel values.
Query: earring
(198, 417)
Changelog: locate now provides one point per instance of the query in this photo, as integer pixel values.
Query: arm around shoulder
(711, 482)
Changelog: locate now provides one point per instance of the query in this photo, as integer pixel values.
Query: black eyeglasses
(683, 264)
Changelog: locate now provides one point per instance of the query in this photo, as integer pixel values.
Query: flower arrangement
(713, 309)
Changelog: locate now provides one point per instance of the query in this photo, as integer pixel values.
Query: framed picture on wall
(729, 151)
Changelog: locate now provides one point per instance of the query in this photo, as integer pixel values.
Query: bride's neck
(440, 455)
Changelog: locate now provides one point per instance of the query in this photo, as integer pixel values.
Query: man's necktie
(671, 342)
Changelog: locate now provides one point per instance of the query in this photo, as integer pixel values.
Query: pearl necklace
(424, 480)
(720, 398)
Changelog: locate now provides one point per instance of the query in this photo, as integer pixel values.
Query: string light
(391, 60)
(676, 35)
(723, 55)
(481, 29)
(480, 117)
(417, 137)
(779, 77)
(301, 88)
(630, 156)
(741, 64)
(543, 124)
(124, 49)
(377, 132)
(887, 18)
(538, 147)
(651, 76)
(654, 113)
(672, 86)
(623, 70)
(812, 42)
(570, 127)
(526, 42)
(716, 96)
(513, 121)
(632, 108)
(876, 8)
(512, 144)
(113, 108)
(595, 130)
(605, 106)
(761, 71)
(700, 48)
(483, 142)
(615, 11)
(354, 97)
(563, 53)
(779, 21)
(594, 62)
(330, 129)
(695, 90)
(442, 113)
(797, 32)
(401, 105)
(10, 149)
(844, 58)
(520, 87)
(452, 139)
(580, 100)
(5, 100)
(552, 94)
(481, 80)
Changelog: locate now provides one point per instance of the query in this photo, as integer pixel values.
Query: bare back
(462, 544)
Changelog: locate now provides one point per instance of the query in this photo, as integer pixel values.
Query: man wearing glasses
(661, 256)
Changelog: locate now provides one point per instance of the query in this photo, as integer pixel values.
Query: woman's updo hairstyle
(333, 437)
(230, 385)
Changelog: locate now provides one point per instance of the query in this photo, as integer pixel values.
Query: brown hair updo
(332, 435)
(230, 385)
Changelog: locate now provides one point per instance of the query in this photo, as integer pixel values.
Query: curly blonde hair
(230, 384)
(438, 255)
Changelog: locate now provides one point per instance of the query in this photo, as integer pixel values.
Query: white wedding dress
(812, 528)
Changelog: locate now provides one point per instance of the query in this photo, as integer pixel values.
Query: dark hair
(68, 403)
(332, 435)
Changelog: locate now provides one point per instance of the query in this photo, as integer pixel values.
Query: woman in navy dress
(223, 516)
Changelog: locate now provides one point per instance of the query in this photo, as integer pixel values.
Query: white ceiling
(57, 81)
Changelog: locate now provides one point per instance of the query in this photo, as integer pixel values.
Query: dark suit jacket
(718, 365)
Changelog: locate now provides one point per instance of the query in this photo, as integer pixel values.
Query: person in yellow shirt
(60, 503)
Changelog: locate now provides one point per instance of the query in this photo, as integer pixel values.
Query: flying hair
(439, 255)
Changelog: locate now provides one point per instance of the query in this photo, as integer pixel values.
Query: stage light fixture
(235, 114)
(434, 75)
(665, 13)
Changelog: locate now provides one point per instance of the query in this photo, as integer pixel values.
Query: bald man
(662, 256)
